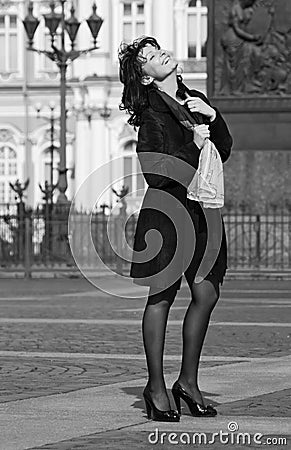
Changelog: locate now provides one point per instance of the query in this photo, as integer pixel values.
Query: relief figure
(240, 49)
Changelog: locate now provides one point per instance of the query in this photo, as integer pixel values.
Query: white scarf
(207, 185)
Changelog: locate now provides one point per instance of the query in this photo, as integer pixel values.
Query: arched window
(8, 172)
(51, 164)
(197, 28)
(132, 173)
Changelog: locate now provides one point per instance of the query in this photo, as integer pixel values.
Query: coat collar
(157, 103)
(155, 100)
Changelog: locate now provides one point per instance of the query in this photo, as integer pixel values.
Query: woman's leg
(153, 328)
(196, 320)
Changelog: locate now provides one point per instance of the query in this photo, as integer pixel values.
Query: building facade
(97, 130)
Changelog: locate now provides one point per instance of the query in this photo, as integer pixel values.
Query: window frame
(199, 11)
(117, 24)
(46, 160)
(6, 177)
(7, 31)
(134, 18)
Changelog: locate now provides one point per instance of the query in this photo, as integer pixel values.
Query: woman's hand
(201, 132)
(196, 104)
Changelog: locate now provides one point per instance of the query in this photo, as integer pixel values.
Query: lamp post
(51, 119)
(62, 57)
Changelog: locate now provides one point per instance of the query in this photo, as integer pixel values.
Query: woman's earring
(179, 70)
(146, 80)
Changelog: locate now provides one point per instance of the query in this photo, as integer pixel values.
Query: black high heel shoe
(156, 414)
(195, 408)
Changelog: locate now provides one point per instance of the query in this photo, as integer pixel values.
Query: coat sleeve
(160, 169)
(219, 132)
(220, 136)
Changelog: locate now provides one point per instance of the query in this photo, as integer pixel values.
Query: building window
(8, 173)
(197, 28)
(133, 20)
(2, 192)
(44, 66)
(9, 32)
(43, 63)
(47, 165)
(132, 173)
(47, 171)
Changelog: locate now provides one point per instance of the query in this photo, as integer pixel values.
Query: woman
(146, 70)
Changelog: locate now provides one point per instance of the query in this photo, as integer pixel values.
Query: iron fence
(259, 240)
(40, 239)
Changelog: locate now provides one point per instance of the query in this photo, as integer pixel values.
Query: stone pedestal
(249, 80)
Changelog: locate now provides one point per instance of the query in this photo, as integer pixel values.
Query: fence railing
(259, 240)
(38, 239)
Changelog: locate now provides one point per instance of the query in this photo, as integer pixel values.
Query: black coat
(161, 255)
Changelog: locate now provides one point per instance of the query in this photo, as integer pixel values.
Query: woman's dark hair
(135, 95)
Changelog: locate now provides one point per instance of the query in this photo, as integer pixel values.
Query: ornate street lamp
(62, 57)
(30, 24)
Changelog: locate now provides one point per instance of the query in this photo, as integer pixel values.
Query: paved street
(73, 368)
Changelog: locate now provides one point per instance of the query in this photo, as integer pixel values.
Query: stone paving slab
(27, 377)
(276, 426)
(123, 439)
(274, 404)
(88, 411)
(243, 388)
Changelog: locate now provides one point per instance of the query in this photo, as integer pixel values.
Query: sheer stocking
(153, 328)
(196, 321)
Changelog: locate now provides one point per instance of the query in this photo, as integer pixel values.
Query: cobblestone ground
(24, 376)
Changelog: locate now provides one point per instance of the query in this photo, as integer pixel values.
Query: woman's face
(159, 63)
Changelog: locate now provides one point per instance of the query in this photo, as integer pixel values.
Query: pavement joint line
(130, 290)
(126, 356)
(258, 291)
(4, 299)
(135, 322)
(256, 300)
(182, 308)
(179, 298)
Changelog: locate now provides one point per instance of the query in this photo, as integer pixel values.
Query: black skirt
(160, 271)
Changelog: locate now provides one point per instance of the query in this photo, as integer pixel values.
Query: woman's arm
(160, 169)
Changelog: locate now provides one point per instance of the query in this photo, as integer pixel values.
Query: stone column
(100, 156)
(83, 156)
(162, 19)
(180, 17)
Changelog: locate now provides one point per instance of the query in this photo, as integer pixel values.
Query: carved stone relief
(6, 135)
(252, 47)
